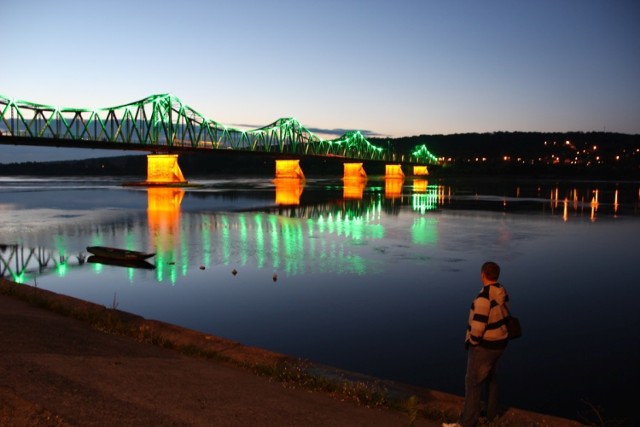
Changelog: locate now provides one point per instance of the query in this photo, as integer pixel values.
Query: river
(375, 277)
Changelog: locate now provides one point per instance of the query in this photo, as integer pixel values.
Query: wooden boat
(135, 263)
(118, 254)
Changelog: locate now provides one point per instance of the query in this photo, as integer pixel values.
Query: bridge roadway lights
(163, 169)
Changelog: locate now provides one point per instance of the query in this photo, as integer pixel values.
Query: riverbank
(68, 362)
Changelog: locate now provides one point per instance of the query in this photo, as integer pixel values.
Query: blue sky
(393, 68)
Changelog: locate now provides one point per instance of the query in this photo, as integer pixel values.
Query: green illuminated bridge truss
(164, 123)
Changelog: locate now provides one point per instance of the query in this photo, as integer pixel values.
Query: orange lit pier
(420, 171)
(162, 171)
(289, 169)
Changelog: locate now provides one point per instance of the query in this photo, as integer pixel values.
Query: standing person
(485, 341)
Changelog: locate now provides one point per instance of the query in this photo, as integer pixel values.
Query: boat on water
(135, 263)
(118, 254)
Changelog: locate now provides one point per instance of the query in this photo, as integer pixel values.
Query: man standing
(485, 341)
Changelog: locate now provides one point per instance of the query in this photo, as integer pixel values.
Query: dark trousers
(481, 370)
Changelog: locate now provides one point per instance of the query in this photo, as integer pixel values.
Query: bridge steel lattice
(164, 123)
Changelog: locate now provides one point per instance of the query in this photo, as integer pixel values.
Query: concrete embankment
(68, 362)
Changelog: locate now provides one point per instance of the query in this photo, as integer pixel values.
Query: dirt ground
(57, 370)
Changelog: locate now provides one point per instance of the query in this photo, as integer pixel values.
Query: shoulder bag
(514, 330)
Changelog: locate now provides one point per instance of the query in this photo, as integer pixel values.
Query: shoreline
(429, 405)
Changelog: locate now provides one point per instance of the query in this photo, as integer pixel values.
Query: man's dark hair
(491, 270)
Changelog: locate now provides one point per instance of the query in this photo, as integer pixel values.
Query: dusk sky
(390, 68)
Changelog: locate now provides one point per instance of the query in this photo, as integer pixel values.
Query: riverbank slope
(67, 362)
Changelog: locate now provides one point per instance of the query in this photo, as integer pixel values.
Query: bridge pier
(393, 181)
(420, 171)
(354, 179)
(164, 169)
(393, 171)
(289, 169)
(354, 171)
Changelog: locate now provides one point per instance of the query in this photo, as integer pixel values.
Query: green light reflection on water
(243, 233)
(205, 237)
(259, 241)
(184, 251)
(225, 240)
(424, 231)
(273, 224)
(305, 239)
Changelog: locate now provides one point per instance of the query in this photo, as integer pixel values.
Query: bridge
(164, 124)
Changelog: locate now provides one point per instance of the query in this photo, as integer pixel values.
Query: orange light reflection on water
(353, 188)
(594, 205)
(393, 187)
(288, 191)
(420, 185)
(163, 213)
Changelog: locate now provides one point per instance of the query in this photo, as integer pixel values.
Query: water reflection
(22, 264)
(274, 238)
(588, 200)
(288, 191)
(420, 186)
(393, 187)
(163, 213)
(354, 188)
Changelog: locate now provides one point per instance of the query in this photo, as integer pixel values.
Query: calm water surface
(373, 277)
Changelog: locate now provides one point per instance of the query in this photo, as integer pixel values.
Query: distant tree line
(498, 144)
(550, 153)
